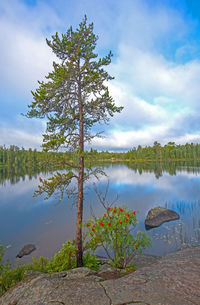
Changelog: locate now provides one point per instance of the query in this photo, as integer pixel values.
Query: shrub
(64, 259)
(91, 261)
(112, 232)
(6, 266)
(9, 277)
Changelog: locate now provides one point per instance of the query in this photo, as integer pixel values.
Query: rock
(173, 280)
(28, 274)
(77, 286)
(26, 250)
(145, 260)
(106, 268)
(158, 215)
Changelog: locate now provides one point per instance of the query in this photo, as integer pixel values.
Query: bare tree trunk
(79, 251)
(79, 248)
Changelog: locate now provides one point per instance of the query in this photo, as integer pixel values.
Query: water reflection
(24, 219)
(180, 233)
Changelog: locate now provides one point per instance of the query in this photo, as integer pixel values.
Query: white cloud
(21, 137)
(124, 139)
(160, 96)
(170, 96)
(25, 57)
(144, 25)
(151, 75)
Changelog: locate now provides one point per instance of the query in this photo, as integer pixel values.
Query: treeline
(15, 156)
(157, 152)
(16, 163)
(168, 152)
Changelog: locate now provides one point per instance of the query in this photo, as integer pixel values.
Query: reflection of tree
(159, 167)
(170, 158)
(33, 162)
(14, 174)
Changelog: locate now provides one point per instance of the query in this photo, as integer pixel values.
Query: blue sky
(156, 65)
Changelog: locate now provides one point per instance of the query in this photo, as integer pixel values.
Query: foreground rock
(26, 250)
(158, 215)
(171, 280)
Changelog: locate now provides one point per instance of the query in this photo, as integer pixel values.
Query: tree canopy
(73, 98)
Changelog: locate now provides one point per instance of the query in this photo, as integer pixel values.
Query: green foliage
(91, 261)
(9, 277)
(75, 90)
(64, 259)
(6, 266)
(17, 162)
(16, 158)
(112, 232)
(73, 99)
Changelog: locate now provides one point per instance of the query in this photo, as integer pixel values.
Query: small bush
(112, 232)
(10, 278)
(64, 259)
(6, 266)
(91, 261)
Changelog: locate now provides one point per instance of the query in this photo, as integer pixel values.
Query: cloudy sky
(156, 65)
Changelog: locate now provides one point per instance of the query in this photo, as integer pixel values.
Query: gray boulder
(158, 215)
(26, 250)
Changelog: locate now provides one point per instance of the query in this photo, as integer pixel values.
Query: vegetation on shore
(112, 232)
(16, 163)
(64, 259)
(14, 156)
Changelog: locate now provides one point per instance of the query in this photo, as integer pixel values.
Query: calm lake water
(24, 219)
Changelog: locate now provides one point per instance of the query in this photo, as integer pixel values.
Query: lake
(24, 219)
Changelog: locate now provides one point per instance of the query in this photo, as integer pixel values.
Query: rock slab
(158, 215)
(172, 280)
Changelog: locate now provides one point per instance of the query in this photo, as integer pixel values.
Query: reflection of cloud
(22, 193)
(174, 185)
(118, 176)
(28, 219)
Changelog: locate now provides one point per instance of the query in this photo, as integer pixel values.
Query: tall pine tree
(73, 99)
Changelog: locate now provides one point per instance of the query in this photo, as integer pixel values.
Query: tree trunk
(79, 249)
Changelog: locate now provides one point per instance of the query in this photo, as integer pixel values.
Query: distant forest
(18, 162)
(15, 156)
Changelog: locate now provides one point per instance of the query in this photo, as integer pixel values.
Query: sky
(156, 65)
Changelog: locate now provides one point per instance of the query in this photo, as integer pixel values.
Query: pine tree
(73, 99)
